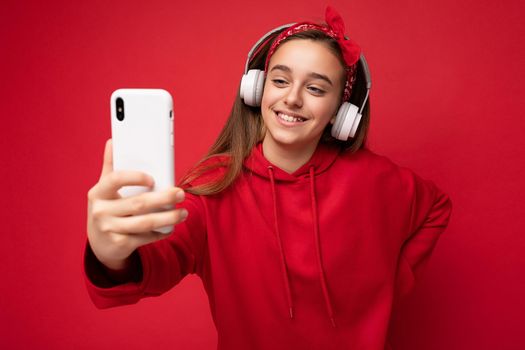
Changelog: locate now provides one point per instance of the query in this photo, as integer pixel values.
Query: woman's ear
(332, 121)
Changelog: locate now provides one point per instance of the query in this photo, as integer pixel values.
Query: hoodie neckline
(321, 160)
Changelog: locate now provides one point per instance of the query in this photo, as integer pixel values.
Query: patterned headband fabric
(335, 29)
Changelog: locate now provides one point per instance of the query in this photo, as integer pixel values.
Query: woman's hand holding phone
(118, 226)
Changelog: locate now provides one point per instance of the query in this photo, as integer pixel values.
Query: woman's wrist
(128, 270)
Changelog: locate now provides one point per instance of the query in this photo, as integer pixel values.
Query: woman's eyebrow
(321, 76)
(287, 69)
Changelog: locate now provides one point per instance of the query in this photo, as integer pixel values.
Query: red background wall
(447, 96)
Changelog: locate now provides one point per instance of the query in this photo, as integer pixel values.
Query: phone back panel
(143, 140)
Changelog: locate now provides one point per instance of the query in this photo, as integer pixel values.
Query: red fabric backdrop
(446, 102)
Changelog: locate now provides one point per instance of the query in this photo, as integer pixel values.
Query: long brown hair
(245, 128)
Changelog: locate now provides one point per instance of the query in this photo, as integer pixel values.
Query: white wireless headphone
(348, 115)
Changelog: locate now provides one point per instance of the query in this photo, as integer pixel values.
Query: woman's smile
(290, 119)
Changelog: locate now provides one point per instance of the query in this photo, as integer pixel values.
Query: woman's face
(302, 93)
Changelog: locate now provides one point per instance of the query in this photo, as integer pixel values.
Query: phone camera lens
(120, 108)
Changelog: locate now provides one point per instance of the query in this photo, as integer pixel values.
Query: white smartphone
(142, 133)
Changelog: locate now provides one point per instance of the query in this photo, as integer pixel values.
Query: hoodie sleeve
(429, 216)
(157, 267)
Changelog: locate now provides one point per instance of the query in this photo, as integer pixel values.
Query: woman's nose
(293, 97)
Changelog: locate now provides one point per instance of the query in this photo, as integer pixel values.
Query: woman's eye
(279, 82)
(316, 90)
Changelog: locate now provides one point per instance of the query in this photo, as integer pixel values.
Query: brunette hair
(245, 128)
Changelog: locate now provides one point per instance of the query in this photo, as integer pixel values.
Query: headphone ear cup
(252, 85)
(346, 121)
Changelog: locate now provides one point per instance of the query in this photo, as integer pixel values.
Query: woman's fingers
(108, 186)
(137, 240)
(140, 204)
(141, 224)
(149, 202)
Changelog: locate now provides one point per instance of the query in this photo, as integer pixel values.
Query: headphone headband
(261, 41)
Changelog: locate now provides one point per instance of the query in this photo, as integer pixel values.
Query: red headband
(335, 29)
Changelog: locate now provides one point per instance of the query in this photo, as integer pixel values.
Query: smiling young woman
(302, 240)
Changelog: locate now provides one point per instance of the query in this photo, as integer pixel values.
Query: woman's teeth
(289, 118)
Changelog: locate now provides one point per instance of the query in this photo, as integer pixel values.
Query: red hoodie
(310, 260)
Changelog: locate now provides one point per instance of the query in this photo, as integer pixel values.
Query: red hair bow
(351, 51)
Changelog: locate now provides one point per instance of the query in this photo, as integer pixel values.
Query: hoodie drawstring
(286, 278)
(284, 268)
(322, 277)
